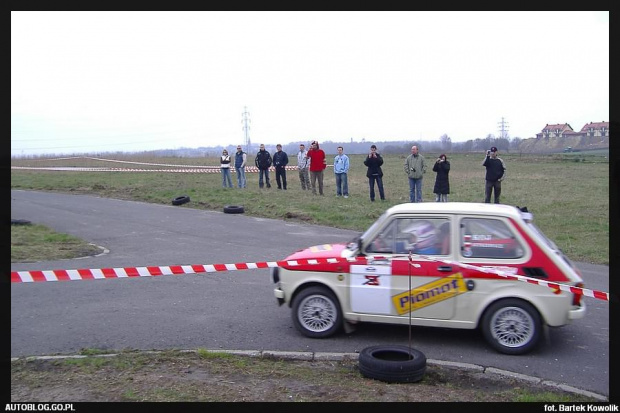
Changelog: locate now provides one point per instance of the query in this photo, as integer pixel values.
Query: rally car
(445, 264)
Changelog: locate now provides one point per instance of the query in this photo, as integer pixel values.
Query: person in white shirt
(225, 167)
(303, 163)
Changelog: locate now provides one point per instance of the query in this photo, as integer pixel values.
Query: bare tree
(446, 143)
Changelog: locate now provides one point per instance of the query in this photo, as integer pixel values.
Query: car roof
(457, 208)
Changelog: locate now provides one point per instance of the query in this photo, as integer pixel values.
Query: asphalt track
(236, 310)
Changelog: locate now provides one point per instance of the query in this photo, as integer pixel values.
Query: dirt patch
(202, 376)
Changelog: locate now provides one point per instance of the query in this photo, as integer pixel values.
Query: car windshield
(377, 223)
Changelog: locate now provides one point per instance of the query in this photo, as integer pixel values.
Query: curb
(326, 356)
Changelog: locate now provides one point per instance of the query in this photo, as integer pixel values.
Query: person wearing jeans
(341, 168)
(303, 163)
(240, 161)
(317, 165)
(415, 168)
(225, 168)
(263, 163)
(374, 174)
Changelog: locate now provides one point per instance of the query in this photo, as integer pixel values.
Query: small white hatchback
(439, 264)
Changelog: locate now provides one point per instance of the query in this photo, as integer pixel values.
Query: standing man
(302, 165)
(341, 168)
(280, 160)
(263, 163)
(317, 165)
(415, 168)
(496, 172)
(240, 161)
(374, 174)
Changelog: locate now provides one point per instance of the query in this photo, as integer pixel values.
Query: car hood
(322, 251)
(318, 251)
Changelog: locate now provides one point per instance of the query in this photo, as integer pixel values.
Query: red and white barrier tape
(89, 274)
(564, 287)
(195, 169)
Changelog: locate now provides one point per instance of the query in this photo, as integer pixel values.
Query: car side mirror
(359, 247)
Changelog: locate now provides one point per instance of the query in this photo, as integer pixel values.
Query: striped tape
(556, 286)
(106, 273)
(195, 169)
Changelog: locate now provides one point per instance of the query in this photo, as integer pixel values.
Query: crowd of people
(311, 164)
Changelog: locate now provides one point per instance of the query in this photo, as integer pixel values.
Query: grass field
(567, 193)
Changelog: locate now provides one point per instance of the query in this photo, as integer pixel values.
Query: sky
(108, 81)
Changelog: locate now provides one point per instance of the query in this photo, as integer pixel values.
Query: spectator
(263, 163)
(302, 165)
(442, 182)
(317, 166)
(496, 172)
(225, 168)
(240, 161)
(280, 160)
(341, 168)
(415, 168)
(374, 161)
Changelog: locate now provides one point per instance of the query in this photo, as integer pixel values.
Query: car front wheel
(316, 312)
(512, 326)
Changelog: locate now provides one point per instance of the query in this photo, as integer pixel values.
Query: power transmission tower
(503, 129)
(246, 129)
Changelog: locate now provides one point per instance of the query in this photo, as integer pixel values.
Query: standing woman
(442, 182)
(225, 167)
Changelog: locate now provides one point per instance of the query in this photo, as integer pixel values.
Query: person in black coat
(442, 182)
(374, 174)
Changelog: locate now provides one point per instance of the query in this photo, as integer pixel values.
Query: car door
(394, 284)
(493, 243)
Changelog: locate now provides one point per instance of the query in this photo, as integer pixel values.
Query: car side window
(488, 238)
(425, 236)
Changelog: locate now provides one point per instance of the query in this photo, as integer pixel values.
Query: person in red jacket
(317, 166)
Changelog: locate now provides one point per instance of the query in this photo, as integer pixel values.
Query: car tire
(512, 326)
(180, 200)
(392, 363)
(316, 312)
(20, 222)
(234, 209)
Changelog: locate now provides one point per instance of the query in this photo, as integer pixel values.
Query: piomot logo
(429, 293)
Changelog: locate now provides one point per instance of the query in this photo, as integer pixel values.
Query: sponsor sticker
(429, 293)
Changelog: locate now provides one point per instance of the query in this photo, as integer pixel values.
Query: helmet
(425, 233)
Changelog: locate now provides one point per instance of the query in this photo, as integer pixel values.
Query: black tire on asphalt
(234, 209)
(20, 222)
(512, 326)
(392, 363)
(180, 200)
(316, 312)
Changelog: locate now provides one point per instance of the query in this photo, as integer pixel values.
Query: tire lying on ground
(180, 200)
(20, 222)
(234, 209)
(392, 363)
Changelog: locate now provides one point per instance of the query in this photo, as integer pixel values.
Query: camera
(488, 151)
(413, 169)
